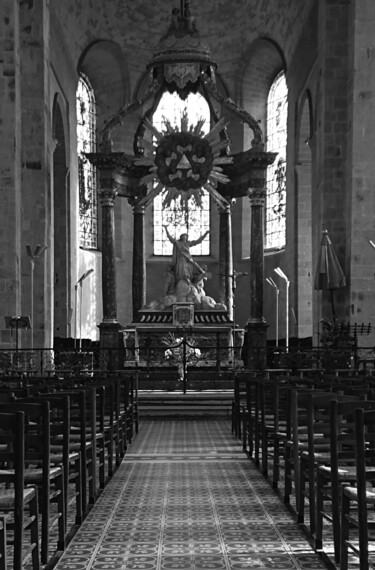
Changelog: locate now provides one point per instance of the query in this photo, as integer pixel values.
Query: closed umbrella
(329, 274)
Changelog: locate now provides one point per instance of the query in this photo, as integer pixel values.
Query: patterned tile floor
(187, 498)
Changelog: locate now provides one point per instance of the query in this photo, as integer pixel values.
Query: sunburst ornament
(182, 162)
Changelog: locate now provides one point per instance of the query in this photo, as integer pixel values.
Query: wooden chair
(17, 500)
(272, 422)
(98, 422)
(358, 501)
(88, 419)
(130, 389)
(128, 407)
(285, 437)
(239, 396)
(119, 417)
(281, 430)
(99, 413)
(250, 418)
(83, 442)
(3, 542)
(298, 443)
(108, 422)
(339, 470)
(38, 471)
(63, 454)
(318, 412)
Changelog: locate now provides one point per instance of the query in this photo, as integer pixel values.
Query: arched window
(194, 220)
(277, 114)
(86, 142)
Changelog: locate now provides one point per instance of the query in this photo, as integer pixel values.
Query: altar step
(161, 404)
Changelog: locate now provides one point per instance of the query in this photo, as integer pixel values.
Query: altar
(203, 339)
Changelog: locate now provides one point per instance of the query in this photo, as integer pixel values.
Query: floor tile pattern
(187, 498)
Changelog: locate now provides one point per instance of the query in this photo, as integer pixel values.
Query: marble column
(256, 340)
(139, 260)
(226, 260)
(109, 327)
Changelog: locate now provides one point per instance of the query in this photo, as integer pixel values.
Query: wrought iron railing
(183, 354)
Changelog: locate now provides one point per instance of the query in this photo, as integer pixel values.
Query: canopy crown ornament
(181, 56)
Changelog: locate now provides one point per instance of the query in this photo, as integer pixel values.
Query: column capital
(257, 196)
(107, 196)
(137, 207)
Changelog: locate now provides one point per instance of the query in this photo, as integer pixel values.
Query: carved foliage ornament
(182, 73)
(257, 196)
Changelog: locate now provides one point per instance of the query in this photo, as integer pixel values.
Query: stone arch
(105, 66)
(263, 60)
(61, 225)
(304, 230)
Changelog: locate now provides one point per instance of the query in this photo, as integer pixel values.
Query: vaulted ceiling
(135, 27)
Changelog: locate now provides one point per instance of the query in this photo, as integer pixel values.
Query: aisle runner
(187, 498)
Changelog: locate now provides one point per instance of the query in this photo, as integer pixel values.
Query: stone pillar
(37, 153)
(139, 260)
(256, 340)
(10, 164)
(109, 327)
(226, 260)
(333, 204)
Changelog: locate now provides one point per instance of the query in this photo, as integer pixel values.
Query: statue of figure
(184, 266)
(185, 278)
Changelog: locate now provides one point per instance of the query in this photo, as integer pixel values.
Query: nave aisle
(187, 498)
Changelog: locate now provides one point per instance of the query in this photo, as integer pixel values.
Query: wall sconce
(271, 282)
(281, 274)
(79, 282)
(33, 257)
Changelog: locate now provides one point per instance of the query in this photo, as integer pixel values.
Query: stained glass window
(86, 142)
(194, 221)
(277, 114)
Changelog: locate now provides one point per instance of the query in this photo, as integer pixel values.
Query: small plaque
(183, 315)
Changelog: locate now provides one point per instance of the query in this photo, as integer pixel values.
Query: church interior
(187, 340)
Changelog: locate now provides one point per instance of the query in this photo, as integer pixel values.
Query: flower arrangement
(175, 353)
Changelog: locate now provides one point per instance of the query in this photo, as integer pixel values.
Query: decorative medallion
(183, 162)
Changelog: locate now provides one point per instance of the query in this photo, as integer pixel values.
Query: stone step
(192, 403)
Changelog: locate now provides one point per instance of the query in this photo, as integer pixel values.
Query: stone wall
(326, 50)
